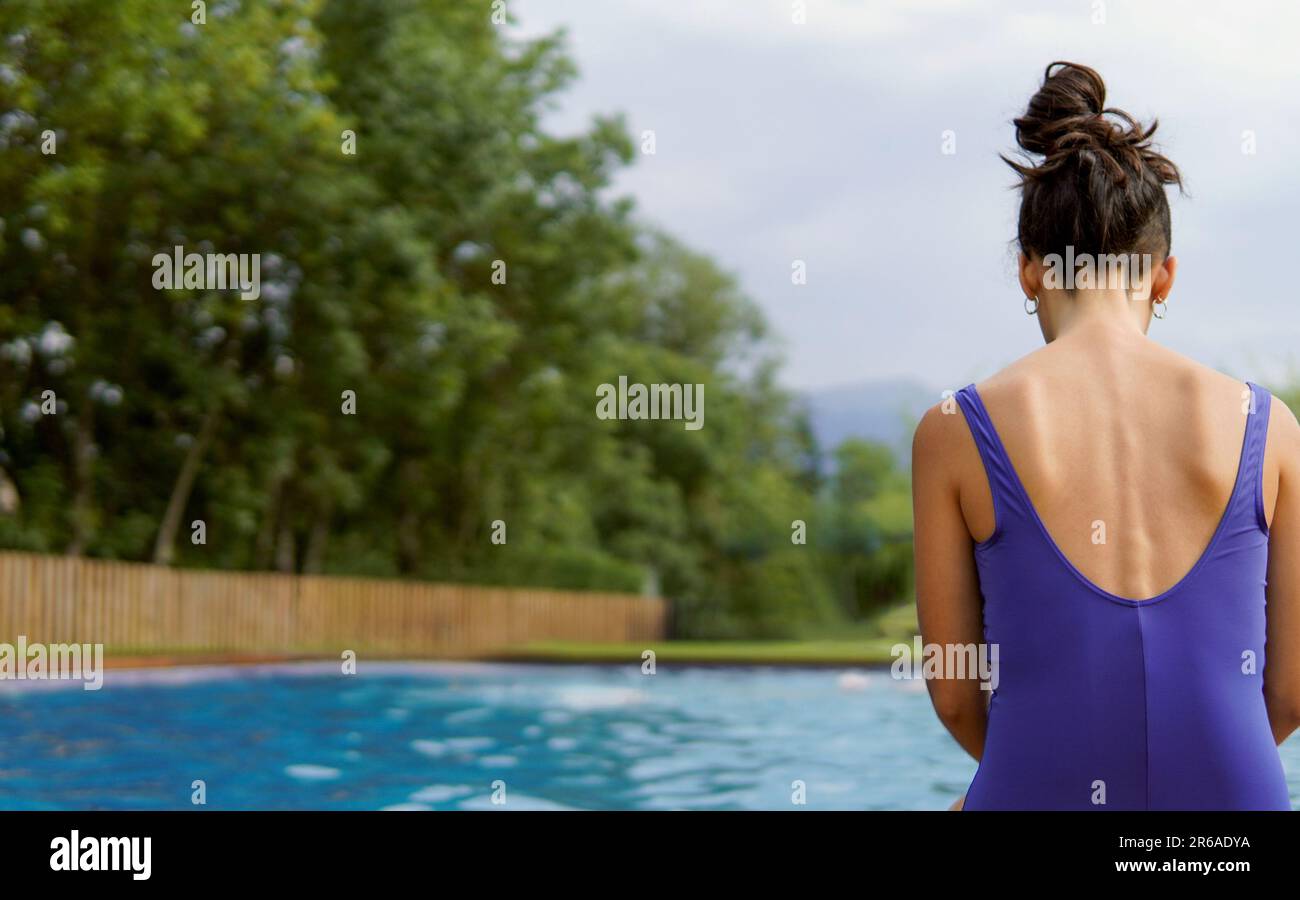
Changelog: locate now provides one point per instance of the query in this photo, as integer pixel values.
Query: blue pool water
(440, 736)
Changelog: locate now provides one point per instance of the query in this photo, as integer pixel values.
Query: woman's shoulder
(1153, 382)
(1201, 397)
(1037, 377)
(942, 430)
(1051, 373)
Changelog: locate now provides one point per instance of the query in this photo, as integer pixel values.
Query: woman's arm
(1282, 653)
(947, 584)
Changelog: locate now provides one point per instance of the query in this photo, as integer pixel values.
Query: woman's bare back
(1128, 451)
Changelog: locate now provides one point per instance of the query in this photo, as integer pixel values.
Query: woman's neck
(1091, 311)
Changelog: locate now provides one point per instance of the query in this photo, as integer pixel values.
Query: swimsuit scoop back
(1104, 702)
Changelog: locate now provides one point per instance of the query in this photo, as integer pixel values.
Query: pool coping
(138, 661)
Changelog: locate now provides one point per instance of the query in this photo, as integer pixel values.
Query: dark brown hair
(1100, 185)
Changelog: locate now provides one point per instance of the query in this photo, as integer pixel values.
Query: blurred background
(798, 205)
(475, 400)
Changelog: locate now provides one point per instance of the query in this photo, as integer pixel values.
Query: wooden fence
(139, 608)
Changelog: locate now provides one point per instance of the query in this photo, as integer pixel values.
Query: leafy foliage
(475, 399)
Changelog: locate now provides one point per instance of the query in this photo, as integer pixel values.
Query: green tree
(465, 275)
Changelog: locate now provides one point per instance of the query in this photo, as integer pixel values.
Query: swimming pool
(457, 736)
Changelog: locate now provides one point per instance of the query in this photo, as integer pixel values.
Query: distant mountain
(885, 410)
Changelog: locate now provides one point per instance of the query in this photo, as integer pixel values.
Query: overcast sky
(822, 142)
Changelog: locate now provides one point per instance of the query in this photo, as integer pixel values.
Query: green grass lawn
(873, 651)
(866, 643)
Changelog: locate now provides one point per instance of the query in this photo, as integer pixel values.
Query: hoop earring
(1031, 310)
(1158, 308)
